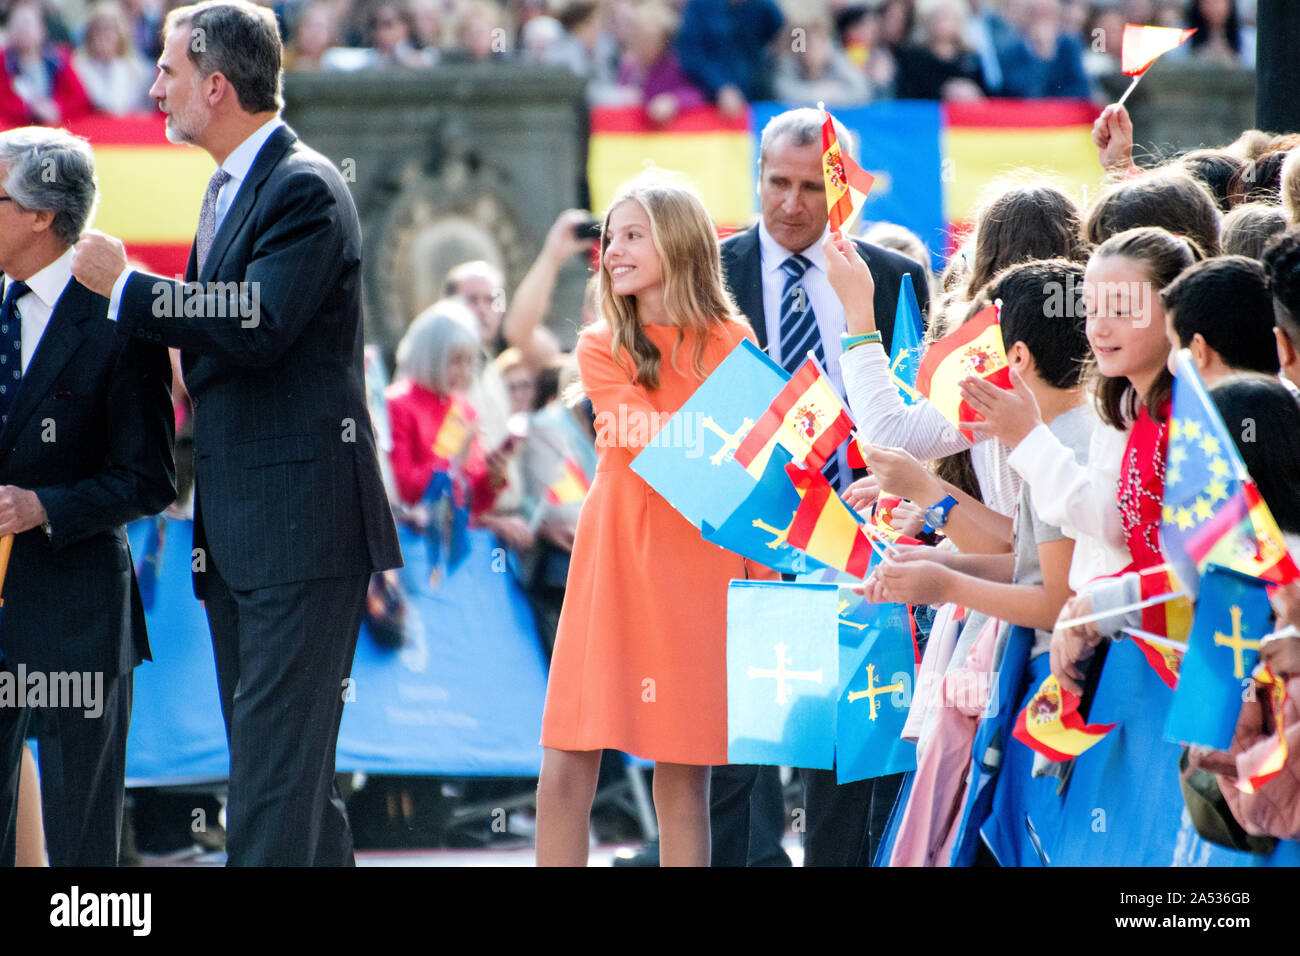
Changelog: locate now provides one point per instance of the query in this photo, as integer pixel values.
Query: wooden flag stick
(1131, 87)
(6, 546)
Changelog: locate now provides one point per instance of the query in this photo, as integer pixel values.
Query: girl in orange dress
(640, 655)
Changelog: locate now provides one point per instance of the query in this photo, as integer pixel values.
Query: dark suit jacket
(91, 433)
(743, 271)
(287, 483)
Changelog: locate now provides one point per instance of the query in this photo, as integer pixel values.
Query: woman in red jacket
(37, 82)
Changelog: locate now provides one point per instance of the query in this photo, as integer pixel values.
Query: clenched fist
(97, 260)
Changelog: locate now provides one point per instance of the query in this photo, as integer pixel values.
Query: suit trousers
(746, 816)
(283, 653)
(82, 756)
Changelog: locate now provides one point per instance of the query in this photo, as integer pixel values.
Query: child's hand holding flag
(851, 280)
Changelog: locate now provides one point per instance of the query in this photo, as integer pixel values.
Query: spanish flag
(975, 348)
(570, 487)
(806, 418)
(824, 527)
(1050, 724)
(1270, 763)
(1142, 46)
(1171, 619)
(453, 434)
(847, 183)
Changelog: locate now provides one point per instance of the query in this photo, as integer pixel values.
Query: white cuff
(115, 300)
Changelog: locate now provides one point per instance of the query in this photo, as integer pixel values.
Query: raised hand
(851, 280)
(1008, 416)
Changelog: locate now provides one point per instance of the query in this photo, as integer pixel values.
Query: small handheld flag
(825, 527)
(975, 348)
(847, 183)
(1213, 512)
(906, 346)
(1232, 615)
(806, 417)
(570, 486)
(1141, 46)
(1050, 724)
(1263, 767)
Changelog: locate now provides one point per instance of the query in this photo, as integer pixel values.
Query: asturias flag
(878, 670)
(1142, 46)
(1213, 512)
(1050, 724)
(1232, 614)
(806, 417)
(975, 348)
(847, 183)
(906, 346)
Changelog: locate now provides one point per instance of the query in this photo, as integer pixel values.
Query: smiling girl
(640, 653)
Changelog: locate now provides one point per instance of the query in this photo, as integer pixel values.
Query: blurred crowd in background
(65, 58)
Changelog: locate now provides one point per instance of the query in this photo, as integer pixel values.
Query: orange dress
(640, 655)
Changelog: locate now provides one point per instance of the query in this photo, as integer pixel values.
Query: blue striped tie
(11, 346)
(799, 335)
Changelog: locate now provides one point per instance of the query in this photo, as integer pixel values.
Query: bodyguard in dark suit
(85, 447)
(776, 272)
(291, 516)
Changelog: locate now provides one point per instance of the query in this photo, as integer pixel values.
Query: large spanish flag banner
(930, 163)
(150, 190)
(1050, 724)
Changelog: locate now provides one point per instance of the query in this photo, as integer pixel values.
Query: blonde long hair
(695, 297)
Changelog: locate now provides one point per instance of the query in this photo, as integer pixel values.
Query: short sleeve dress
(640, 654)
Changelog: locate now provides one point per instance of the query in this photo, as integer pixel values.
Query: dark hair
(576, 13)
(1258, 180)
(1042, 306)
(1169, 198)
(1231, 29)
(1163, 256)
(240, 41)
(1216, 169)
(1264, 421)
(1226, 301)
(1023, 223)
(1282, 263)
(1248, 228)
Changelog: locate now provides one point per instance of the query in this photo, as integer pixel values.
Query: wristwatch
(936, 516)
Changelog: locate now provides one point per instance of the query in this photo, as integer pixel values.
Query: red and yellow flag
(1142, 46)
(1050, 724)
(1269, 763)
(1171, 619)
(847, 183)
(975, 348)
(453, 434)
(824, 527)
(570, 487)
(806, 418)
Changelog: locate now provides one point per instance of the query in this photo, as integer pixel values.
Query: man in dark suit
(291, 516)
(776, 272)
(85, 447)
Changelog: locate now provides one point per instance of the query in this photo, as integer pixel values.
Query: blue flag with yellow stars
(782, 673)
(691, 459)
(1232, 614)
(905, 346)
(757, 529)
(1213, 512)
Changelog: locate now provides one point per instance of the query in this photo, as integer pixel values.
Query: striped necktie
(799, 335)
(11, 347)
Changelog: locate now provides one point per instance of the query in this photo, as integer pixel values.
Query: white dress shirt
(237, 166)
(825, 304)
(37, 306)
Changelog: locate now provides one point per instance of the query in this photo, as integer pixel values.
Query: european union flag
(691, 460)
(1232, 614)
(1213, 512)
(758, 527)
(905, 347)
(782, 673)
(878, 677)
